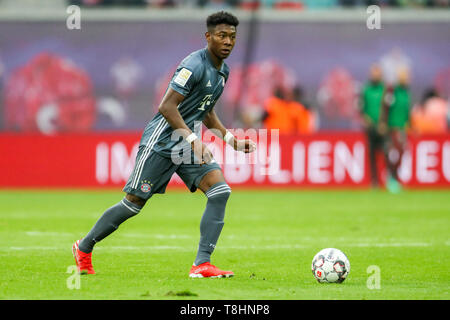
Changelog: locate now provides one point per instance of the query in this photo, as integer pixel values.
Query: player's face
(376, 73)
(403, 77)
(221, 40)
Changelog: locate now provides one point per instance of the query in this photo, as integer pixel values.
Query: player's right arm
(169, 110)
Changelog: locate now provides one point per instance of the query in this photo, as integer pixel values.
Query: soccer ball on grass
(330, 266)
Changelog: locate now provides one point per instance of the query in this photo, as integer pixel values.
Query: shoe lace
(213, 266)
(86, 260)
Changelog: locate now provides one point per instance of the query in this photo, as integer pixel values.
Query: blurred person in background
(285, 112)
(431, 115)
(247, 94)
(393, 124)
(370, 106)
(337, 97)
(276, 115)
(307, 119)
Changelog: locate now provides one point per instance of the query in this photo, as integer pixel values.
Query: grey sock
(108, 223)
(212, 221)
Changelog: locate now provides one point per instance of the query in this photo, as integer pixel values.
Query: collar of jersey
(211, 63)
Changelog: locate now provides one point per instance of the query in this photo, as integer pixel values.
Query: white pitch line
(247, 247)
(126, 235)
(48, 234)
(43, 248)
(361, 242)
(150, 248)
(158, 236)
(384, 245)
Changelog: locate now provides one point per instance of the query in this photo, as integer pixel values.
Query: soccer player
(394, 121)
(371, 102)
(190, 97)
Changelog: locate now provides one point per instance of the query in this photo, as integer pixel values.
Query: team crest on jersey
(146, 186)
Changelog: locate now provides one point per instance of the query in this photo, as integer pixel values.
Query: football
(330, 265)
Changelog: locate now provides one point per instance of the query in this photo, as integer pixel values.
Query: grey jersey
(201, 83)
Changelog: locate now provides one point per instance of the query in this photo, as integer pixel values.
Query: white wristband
(228, 137)
(191, 137)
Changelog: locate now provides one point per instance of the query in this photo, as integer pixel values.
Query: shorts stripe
(142, 157)
(147, 151)
(151, 142)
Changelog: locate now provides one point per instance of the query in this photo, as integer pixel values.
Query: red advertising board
(332, 159)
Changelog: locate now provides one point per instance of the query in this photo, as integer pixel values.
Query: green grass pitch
(268, 240)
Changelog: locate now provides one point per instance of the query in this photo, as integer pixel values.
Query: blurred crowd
(380, 96)
(384, 101)
(61, 97)
(387, 117)
(277, 4)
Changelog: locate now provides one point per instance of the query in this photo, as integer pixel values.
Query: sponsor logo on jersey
(206, 101)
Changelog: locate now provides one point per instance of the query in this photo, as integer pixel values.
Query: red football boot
(207, 270)
(83, 260)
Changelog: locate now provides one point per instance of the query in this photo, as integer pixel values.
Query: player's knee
(219, 194)
(136, 200)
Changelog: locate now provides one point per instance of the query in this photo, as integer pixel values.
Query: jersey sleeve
(186, 77)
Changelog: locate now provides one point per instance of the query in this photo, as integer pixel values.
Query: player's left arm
(212, 122)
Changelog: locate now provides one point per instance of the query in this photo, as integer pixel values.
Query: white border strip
(196, 14)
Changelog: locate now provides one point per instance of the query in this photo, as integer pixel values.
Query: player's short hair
(221, 17)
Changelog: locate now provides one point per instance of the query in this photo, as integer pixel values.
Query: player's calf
(212, 221)
(108, 223)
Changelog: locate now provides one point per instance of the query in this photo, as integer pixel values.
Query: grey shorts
(152, 172)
